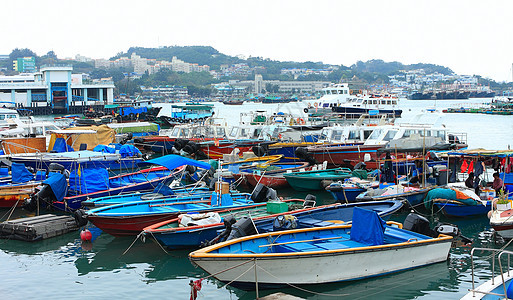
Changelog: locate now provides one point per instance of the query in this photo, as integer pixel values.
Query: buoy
(86, 235)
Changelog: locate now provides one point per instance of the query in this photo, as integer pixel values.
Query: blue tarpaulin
(129, 151)
(20, 174)
(367, 227)
(58, 184)
(104, 149)
(173, 161)
(61, 146)
(88, 180)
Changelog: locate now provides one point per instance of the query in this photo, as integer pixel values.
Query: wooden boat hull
(14, 195)
(272, 181)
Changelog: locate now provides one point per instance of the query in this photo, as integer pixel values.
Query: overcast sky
(470, 37)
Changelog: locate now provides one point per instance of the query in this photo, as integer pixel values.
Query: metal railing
(494, 255)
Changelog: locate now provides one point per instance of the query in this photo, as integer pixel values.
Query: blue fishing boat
(172, 235)
(158, 193)
(456, 201)
(131, 218)
(366, 248)
(91, 183)
(348, 190)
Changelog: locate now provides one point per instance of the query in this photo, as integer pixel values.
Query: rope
(137, 237)
(11, 210)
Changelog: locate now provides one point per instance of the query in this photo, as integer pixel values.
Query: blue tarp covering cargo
(174, 161)
(129, 151)
(88, 180)
(104, 149)
(20, 174)
(58, 184)
(367, 227)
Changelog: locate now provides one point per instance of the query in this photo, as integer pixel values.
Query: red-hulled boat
(342, 154)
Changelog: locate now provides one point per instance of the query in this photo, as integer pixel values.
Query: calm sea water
(63, 268)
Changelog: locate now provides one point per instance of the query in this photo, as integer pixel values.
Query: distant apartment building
(168, 92)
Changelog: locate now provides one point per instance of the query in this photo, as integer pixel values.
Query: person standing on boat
(387, 173)
(417, 172)
(479, 168)
(497, 183)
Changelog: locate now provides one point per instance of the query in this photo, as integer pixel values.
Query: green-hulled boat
(312, 180)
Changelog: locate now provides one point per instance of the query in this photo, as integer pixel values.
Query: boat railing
(494, 257)
(12, 148)
(457, 137)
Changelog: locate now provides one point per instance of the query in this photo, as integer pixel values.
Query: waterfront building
(55, 90)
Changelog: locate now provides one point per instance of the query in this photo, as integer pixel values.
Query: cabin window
(354, 135)
(257, 132)
(334, 92)
(220, 131)
(336, 135)
(374, 101)
(366, 134)
(175, 132)
(233, 132)
(2, 117)
(394, 102)
(389, 102)
(375, 134)
(364, 102)
(390, 135)
(324, 134)
(38, 130)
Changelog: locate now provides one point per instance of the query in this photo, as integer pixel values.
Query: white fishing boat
(364, 249)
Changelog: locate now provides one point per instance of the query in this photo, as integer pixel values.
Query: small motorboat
(271, 175)
(456, 201)
(366, 248)
(131, 218)
(316, 179)
(348, 190)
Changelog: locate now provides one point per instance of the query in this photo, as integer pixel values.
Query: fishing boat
(365, 103)
(270, 176)
(501, 221)
(314, 180)
(499, 286)
(131, 218)
(366, 248)
(87, 183)
(349, 189)
(173, 234)
(178, 191)
(457, 201)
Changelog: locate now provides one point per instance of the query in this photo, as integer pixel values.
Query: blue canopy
(20, 174)
(128, 150)
(58, 184)
(173, 161)
(367, 227)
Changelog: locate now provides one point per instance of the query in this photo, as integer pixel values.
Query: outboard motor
(179, 144)
(242, 227)
(262, 193)
(302, 154)
(44, 197)
(229, 220)
(55, 167)
(420, 224)
(284, 222)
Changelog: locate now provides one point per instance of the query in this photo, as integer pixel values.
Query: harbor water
(65, 268)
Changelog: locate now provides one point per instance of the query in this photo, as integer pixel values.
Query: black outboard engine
(302, 154)
(420, 224)
(55, 167)
(229, 220)
(284, 222)
(43, 197)
(242, 227)
(179, 144)
(262, 193)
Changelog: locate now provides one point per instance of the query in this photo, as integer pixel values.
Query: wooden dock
(37, 228)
